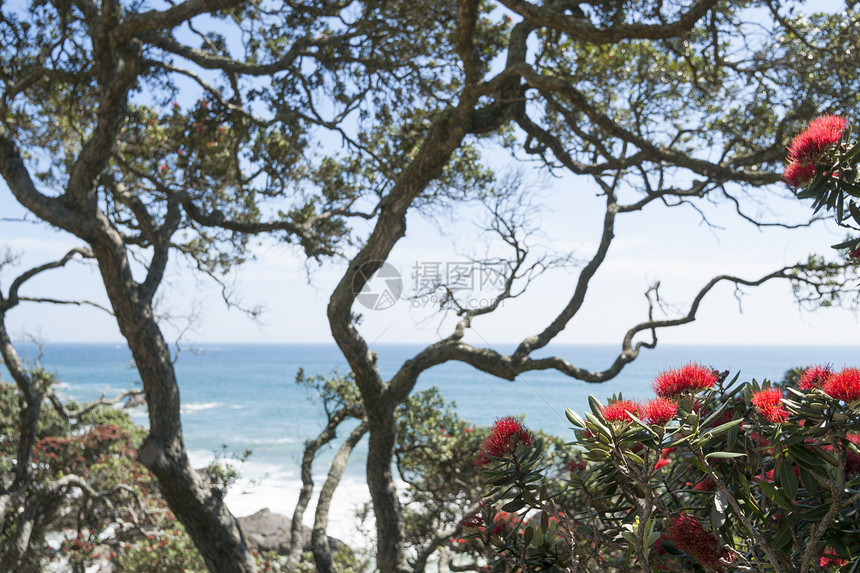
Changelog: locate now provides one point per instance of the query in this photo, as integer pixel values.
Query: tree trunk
(214, 530)
(386, 506)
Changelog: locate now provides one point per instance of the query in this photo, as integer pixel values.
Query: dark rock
(135, 401)
(267, 531)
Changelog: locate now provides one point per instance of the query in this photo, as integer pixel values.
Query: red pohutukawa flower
(689, 536)
(618, 411)
(814, 377)
(820, 134)
(806, 149)
(659, 411)
(796, 174)
(844, 386)
(830, 558)
(768, 402)
(706, 484)
(505, 434)
(691, 377)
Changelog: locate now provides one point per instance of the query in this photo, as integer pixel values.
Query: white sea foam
(280, 495)
(276, 486)
(199, 406)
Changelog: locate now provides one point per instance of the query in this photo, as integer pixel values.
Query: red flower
(844, 386)
(689, 536)
(163, 168)
(659, 411)
(706, 484)
(852, 459)
(768, 402)
(814, 377)
(620, 411)
(820, 134)
(691, 377)
(796, 174)
(830, 558)
(505, 434)
(855, 254)
(574, 466)
(667, 451)
(661, 462)
(472, 521)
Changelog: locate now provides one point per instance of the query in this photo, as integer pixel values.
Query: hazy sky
(670, 245)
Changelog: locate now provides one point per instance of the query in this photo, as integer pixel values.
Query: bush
(709, 476)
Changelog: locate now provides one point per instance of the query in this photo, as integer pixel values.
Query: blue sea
(245, 397)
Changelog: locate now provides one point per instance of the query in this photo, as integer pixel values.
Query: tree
(98, 141)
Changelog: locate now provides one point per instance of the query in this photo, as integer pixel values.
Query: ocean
(242, 397)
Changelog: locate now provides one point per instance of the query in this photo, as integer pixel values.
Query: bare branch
(66, 302)
(24, 277)
(89, 406)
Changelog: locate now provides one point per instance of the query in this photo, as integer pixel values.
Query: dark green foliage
(791, 487)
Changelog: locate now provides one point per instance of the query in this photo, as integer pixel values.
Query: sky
(672, 246)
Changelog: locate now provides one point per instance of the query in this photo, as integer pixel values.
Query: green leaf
(804, 457)
(595, 421)
(855, 212)
(719, 430)
(732, 438)
(787, 479)
(574, 418)
(528, 534)
(628, 536)
(651, 539)
(776, 496)
(595, 406)
(852, 152)
(808, 480)
(782, 539)
(634, 457)
(850, 244)
(515, 504)
(715, 414)
(642, 424)
(817, 513)
(724, 455)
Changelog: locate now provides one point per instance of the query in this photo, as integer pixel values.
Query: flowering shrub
(822, 165)
(126, 522)
(443, 457)
(714, 475)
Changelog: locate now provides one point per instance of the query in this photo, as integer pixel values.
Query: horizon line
(415, 343)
